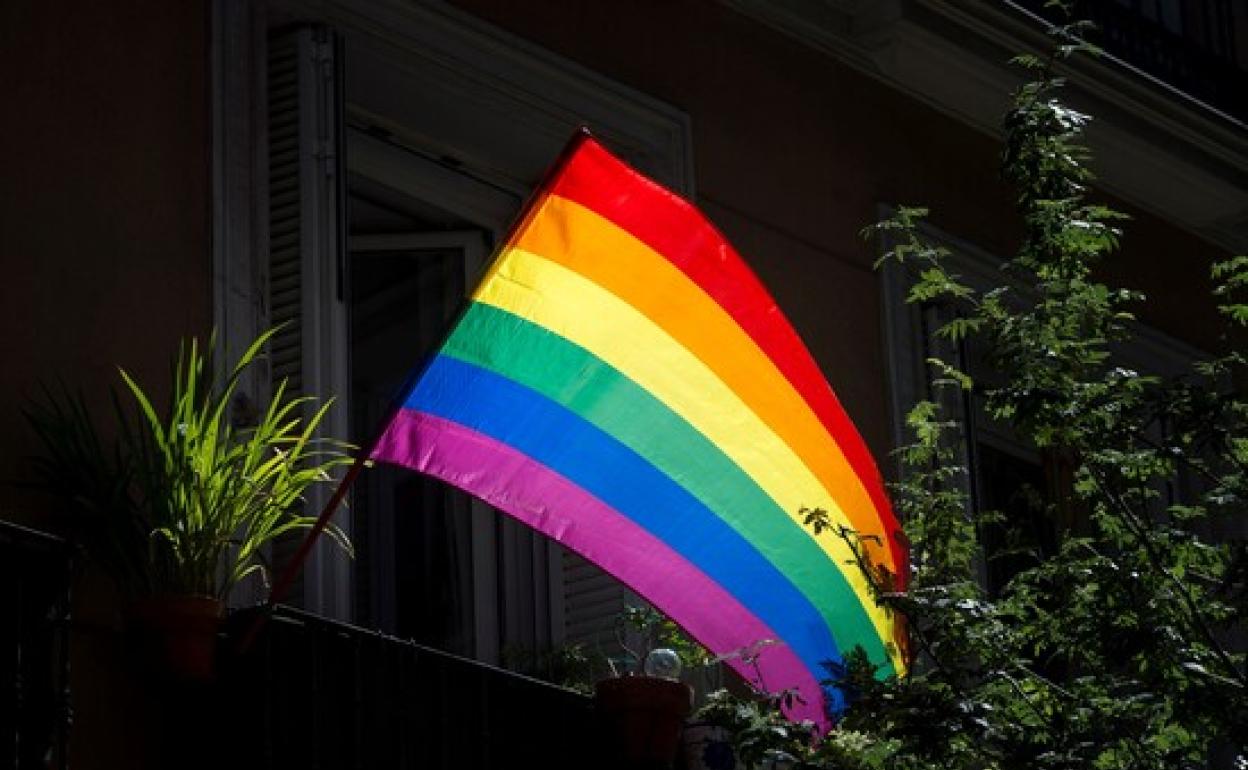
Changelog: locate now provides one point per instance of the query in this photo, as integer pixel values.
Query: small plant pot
(175, 637)
(643, 717)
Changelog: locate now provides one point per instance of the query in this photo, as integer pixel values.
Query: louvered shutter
(285, 213)
(305, 269)
(592, 600)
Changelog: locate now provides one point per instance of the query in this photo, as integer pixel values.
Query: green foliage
(1113, 651)
(569, 665)
(1114, 648)
(1232, 278)
(182, 501)
(638, 630)
(759, 732)
(762, 737)
(641, 629)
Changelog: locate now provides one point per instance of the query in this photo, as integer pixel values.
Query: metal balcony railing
(34, 649)
(1196, 46)
(310, 693)
(315, 693)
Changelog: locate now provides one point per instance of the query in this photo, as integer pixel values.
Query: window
(417, 540)
(401, 140)
(1006, 474)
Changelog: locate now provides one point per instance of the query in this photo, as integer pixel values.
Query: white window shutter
(592, 602)
(305, 289)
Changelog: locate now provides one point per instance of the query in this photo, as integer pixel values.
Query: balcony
(310, 693)
(317, 693)
(34, 652)
(1196, 46)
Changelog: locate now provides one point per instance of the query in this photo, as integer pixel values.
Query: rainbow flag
(622, 382)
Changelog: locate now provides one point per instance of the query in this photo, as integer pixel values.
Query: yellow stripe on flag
(571, 235)
(524, 284)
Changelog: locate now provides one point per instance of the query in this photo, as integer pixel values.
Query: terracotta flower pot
(643, 717)
(175, 637)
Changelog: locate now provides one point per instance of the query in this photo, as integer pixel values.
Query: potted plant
(642, 709)
(751, 732)
(745, 732)
(178, 504)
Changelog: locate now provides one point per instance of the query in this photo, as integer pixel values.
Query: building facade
(345, 167)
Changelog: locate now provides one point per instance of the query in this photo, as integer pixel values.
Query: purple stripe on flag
(550, 503)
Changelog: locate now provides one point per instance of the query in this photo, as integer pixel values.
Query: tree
(1114, 649)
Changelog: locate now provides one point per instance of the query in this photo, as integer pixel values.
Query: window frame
(907, 346)
(473, 68)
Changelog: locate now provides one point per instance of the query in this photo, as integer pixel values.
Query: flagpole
(287, 576)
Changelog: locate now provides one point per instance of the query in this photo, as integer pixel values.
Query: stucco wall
(104, 198)
(104, 240)
(794, 152)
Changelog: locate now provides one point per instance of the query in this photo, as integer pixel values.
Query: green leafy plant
(568, 665)
(762, 737)
(182, 501)
(1110, 647)
(759, 731)
(1113, 646)
(641, 629)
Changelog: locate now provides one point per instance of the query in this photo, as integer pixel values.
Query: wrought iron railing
(1190, 45)
(310, 693)
(314, 693)
(34, 649)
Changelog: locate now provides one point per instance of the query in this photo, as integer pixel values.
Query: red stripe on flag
(676, 229)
